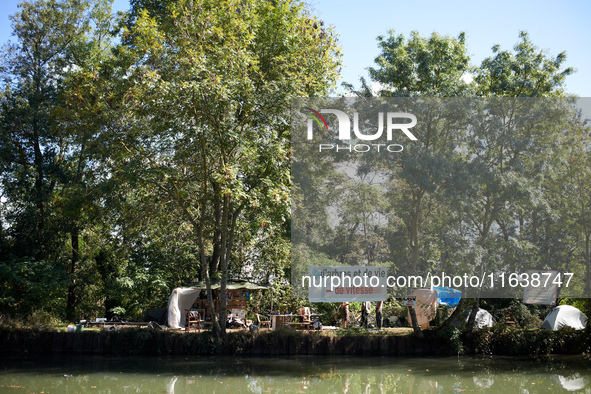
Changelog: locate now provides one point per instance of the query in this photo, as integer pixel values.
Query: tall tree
(506, 172)
(208, 95)
(39, 156)
(526, 72)
(428, 67)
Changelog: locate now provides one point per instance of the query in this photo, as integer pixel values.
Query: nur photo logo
(395, 122)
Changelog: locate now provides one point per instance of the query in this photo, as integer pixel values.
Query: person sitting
(235, 322)
(305, 313)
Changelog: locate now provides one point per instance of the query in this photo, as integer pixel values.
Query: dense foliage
(143, 151)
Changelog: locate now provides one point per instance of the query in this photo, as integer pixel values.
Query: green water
(292, 375)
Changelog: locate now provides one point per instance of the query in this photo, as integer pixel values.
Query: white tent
(565, 316)
(483, 319)
(573, 382)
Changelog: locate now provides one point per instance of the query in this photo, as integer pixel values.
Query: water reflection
(302, 374)
(571, 382)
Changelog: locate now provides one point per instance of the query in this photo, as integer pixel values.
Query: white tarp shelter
(182, 298)
(565, 316)
(427, 303)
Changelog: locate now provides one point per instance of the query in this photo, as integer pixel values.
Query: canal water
(294, 375)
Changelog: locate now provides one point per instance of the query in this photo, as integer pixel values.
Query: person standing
(379, 317)
(365, 314)
(345, 306)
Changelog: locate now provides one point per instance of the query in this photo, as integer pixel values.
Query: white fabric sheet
(179, 300)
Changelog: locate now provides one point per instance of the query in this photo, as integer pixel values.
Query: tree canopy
(148, 150)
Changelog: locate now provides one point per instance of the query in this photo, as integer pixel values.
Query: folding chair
(193, 319)
(263, 320)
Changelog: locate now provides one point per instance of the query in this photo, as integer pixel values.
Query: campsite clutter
(188, 310)
(431, 305)
(194, 297)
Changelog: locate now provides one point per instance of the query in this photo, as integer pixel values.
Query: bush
(331, 313)
(451, 339)
(37, 320)
(505, 340)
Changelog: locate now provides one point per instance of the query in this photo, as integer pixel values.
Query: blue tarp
(448, 296)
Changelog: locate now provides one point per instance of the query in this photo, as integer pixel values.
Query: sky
(553, 26)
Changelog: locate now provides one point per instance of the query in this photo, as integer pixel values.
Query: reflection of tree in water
(324, 374)
(412, 376)
(172, 384)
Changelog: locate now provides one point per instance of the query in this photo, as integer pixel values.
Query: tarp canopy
(565, 316)
(448, 296)
(426, 306)
(183, 297)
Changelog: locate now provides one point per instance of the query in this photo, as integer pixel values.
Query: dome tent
(565, 316)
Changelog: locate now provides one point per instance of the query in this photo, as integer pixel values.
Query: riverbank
(496, 341)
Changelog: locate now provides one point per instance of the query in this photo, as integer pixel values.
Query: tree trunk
(71, 304)
(415, 323)
(472, 318)
(214, 264)
(224, 265)
(414, 245)
(414, 229)
(587, 263)
(453, 315)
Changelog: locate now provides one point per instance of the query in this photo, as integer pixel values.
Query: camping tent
(572, 382)
(426, 306)
(183, 297)
(565, 316)
(483, 318)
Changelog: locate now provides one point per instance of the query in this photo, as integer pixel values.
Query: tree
(433, 67)
(43, 162)
(207, 93)
(514, 154)
(528, 72)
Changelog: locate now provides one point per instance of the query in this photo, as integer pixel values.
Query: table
(280, 321)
